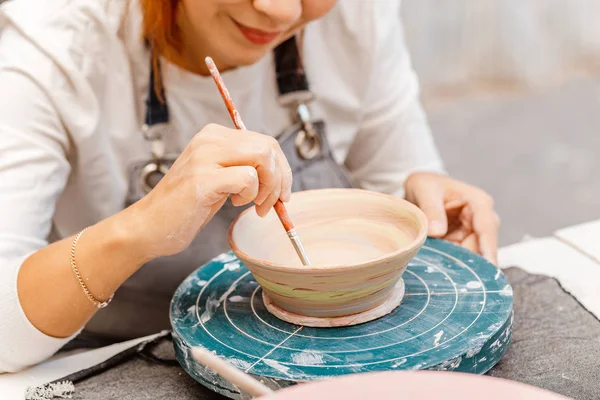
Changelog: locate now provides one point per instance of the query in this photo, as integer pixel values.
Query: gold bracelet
(88, 294)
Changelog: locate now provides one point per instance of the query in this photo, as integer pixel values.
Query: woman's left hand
(456, 212)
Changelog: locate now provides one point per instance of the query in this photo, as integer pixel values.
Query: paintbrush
(229, 372)
(239, 124)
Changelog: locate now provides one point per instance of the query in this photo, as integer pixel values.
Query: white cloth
(73, 79)
(571, 255)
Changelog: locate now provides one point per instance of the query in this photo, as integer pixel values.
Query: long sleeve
(33, 173)
(48, 109)
(394, 137)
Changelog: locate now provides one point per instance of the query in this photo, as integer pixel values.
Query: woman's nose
(280, 11)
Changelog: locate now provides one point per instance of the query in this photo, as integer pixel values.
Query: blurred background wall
(465, 44)
(511, 88)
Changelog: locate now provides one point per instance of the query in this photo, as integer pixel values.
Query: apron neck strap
(291, 78)
(157, 111)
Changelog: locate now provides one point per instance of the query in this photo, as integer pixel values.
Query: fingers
(262, 208)
(477, 220)
(485, 224)
(470, 219)
(455, 206)
(283, 191)
(430, 199)
(458, 235)
(286, 175)
(241, 182)
(231, 147)
(471, 243)
(268, 172)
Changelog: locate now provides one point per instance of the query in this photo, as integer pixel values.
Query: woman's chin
(246, 56)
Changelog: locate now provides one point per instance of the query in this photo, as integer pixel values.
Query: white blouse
(73, 80)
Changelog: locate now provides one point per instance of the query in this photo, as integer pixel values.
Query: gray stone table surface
(556, 346)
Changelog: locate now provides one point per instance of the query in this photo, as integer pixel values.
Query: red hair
(161, 31)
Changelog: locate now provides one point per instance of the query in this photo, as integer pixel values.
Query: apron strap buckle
(308, 141)
(154, 135)
(306, 119)
(154, 131)
(154, 170)
(307, 147)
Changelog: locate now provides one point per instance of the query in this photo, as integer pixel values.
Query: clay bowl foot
(389, 305)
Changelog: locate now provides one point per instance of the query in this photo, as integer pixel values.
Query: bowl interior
(338, 227)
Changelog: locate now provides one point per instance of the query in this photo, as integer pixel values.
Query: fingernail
(436, 228)
(259, 212)
(285, 196)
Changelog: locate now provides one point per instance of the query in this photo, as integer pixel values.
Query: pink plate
(414, 385)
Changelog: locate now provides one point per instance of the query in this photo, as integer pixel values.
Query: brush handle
(235, 115)
(279, 207)
(283, 215)
(229, 372)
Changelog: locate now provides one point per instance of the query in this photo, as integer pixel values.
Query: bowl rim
(416, 243)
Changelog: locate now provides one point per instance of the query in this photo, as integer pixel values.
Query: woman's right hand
(217, 162)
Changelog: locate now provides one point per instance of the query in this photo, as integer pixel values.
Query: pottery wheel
(456, 314)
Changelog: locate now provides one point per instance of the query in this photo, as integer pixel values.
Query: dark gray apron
(140, 306)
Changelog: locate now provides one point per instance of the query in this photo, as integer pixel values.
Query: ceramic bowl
(359, 243)
(416, 385)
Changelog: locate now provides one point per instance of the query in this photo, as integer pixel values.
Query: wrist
(131, 237)
(108, 253)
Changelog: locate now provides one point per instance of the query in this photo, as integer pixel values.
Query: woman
(109, 122)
